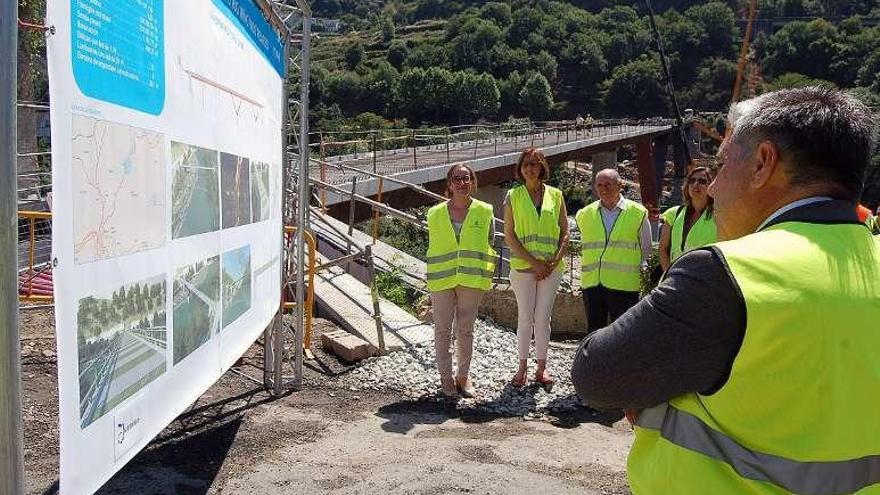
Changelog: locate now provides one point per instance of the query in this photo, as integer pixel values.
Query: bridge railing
(390, 151)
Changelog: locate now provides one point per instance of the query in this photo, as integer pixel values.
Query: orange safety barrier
(35, 284)
(310, 294)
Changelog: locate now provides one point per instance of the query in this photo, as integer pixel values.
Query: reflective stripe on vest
(702, 233)
(612, 260)
(797, 413)
(807, 478)
(538, 234)
(468, 261)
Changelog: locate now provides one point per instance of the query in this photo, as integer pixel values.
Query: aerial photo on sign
(118, 176)
(236, 188)
(196, 305)
(122, 344)
(236, 279)
(195, 204)
(260, 191)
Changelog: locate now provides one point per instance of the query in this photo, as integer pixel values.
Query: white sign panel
(167, 153)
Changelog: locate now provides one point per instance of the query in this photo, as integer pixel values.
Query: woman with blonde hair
(461, 262)
(536, 230)
(691, 225)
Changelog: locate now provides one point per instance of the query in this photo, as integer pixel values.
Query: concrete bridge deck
(491, 157)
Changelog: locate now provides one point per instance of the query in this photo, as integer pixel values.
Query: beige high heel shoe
(465, 388)
(448, 387)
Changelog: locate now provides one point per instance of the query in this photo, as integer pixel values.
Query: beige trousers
(455, 308)
(534, 304)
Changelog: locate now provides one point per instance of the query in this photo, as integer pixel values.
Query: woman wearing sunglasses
(536, 230)
(691, 225)
(461, 263)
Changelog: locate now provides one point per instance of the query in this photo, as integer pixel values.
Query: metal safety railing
(391, 151)
(34, 255)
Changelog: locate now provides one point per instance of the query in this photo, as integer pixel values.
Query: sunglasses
(461, 179)
(698, 180)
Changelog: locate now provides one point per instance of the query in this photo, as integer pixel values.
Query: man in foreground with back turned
(755, 366)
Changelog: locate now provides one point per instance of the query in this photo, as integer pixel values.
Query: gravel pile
(413, 373)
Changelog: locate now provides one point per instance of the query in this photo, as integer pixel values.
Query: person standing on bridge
(754, 367)
(691, 225)
(615, 247)
(461, 262)
(536, 230)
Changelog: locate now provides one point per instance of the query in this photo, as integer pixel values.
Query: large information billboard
(167, 153)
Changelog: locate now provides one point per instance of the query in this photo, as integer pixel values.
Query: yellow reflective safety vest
(469, 260)
(798, 413)
(703, 232)
(538, 234)
(611, 260)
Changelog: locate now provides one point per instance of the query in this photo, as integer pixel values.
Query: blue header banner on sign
(249, 18)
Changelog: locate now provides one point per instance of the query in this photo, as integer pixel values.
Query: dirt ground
(326, 438)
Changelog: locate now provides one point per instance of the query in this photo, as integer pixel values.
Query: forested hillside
(426, 62)
(432, 61)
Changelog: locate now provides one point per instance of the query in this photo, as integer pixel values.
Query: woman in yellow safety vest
(691, 225)
(536, 230)
(460, 263)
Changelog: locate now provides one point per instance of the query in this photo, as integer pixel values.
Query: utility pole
(11, 458)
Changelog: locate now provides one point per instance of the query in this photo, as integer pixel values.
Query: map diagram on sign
(118, 175)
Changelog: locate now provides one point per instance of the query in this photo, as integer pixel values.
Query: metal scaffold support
(11, 458)
(296, 17)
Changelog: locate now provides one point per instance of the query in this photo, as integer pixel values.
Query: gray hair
(823, 135)
(612, 172)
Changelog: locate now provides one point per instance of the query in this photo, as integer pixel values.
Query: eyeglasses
(461, 179)
(698, 180)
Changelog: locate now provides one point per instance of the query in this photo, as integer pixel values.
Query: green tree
(545, 64)
(386, 24)
(380, 88)
(525, 22)
(510, 89)
(469, 48)
(354, 55)
(535, 97)
(634, 89)
(497, 12)
(869, 74)
(346, 89)
(427, 55)
(795, 80)
(624, 35)
(476, 95)
(583, 67)
(425, 93)
(397, 53)
(712, 88)
(806, 48)
(718, 25)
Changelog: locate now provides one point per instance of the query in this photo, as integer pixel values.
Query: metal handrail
(310, 294)
(34, 288)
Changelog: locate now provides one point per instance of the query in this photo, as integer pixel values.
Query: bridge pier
(601, 161)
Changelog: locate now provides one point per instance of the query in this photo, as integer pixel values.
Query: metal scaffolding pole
(302, 204)
(11, 458)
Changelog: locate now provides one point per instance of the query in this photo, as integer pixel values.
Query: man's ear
(766, 164)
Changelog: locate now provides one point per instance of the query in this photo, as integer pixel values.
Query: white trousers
(534, 304)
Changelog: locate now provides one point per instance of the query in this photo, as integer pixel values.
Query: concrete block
(568, 312)
(348, 347)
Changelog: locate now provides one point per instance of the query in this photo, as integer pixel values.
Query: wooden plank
(349, 303)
